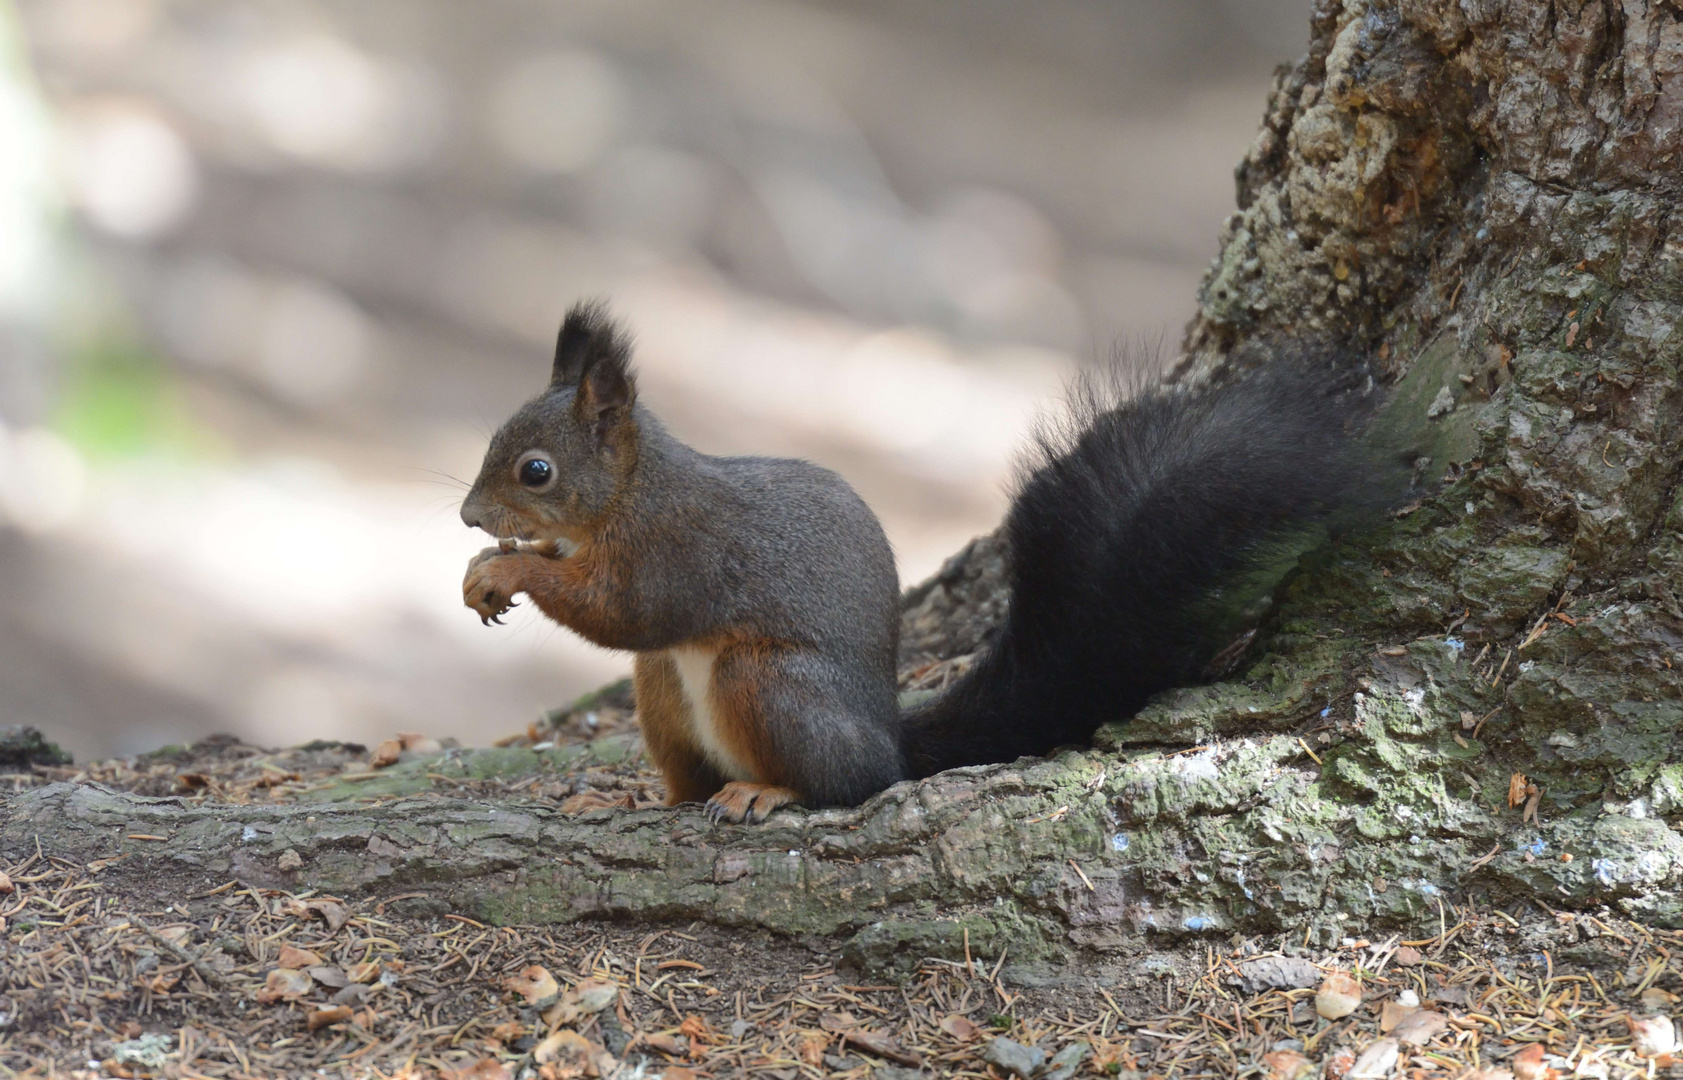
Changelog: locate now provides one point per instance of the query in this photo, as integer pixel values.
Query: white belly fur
(695, 674)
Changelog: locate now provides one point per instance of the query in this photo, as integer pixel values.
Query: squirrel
(760, 598)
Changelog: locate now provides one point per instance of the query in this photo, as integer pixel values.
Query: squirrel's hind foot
(737, 802)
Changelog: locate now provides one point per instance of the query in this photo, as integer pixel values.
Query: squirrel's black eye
(536, 472)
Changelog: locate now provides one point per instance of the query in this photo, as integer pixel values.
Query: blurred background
(271, 271)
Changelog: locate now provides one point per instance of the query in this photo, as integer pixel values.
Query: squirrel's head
(556, 464)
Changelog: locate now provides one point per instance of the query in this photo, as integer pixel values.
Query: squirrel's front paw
(493, 577)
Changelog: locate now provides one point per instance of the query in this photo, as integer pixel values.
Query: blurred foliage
(120, 399)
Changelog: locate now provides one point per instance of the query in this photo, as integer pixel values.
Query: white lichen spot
(1652, 866)
(1199, 766)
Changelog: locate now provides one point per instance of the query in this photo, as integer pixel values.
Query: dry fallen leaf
(6, 885)
(1338, 996)
(1419, 1028)
(668, 1044)
(508, 1031)
(1652, 1036)
(698, 1029)
(883, 1046)
(594, 995)
(960, 1027)
(320, 1018)
(385, 754)
(176, 935)
(1287, 1065)
(161, 984)
(483, 1069)
(1407, 956)
(1516, 789)
(1376, 1061)
(598, 800)
(1391, 1014)
(837, 1022)
(535, 984)
(1656, 1000)
(332, 911)
(1528, 1064)
(564, 1046)
(1338, 1064)
(284, 984)
(335, 913)
(419, 744)
(329, 976)
(812, 1047)
(365, 972)
(291, 956)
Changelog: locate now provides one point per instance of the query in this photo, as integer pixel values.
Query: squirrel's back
(798, 551)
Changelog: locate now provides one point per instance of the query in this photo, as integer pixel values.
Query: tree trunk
(1479, 700)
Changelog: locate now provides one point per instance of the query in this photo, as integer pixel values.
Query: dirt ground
(109, 972)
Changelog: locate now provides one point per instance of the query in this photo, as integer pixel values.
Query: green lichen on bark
(1481, 199)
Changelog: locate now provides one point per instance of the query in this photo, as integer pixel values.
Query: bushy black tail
(1133, 519)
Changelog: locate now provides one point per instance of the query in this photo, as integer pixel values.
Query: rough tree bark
(1482, 195)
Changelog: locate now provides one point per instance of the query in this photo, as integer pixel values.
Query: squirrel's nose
(472, 516)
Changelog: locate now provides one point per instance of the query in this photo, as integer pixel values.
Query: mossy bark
(1481, 197)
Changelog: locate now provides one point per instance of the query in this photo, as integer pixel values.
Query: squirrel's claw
(489, 588)
(741, 801)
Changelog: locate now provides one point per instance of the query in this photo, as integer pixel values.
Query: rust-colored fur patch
(741, 675)
(664, 716)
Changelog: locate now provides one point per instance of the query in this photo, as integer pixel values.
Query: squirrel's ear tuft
(593, 356)
(589, 338)
(605, 393)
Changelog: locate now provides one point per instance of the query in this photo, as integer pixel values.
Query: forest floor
(110, 972)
